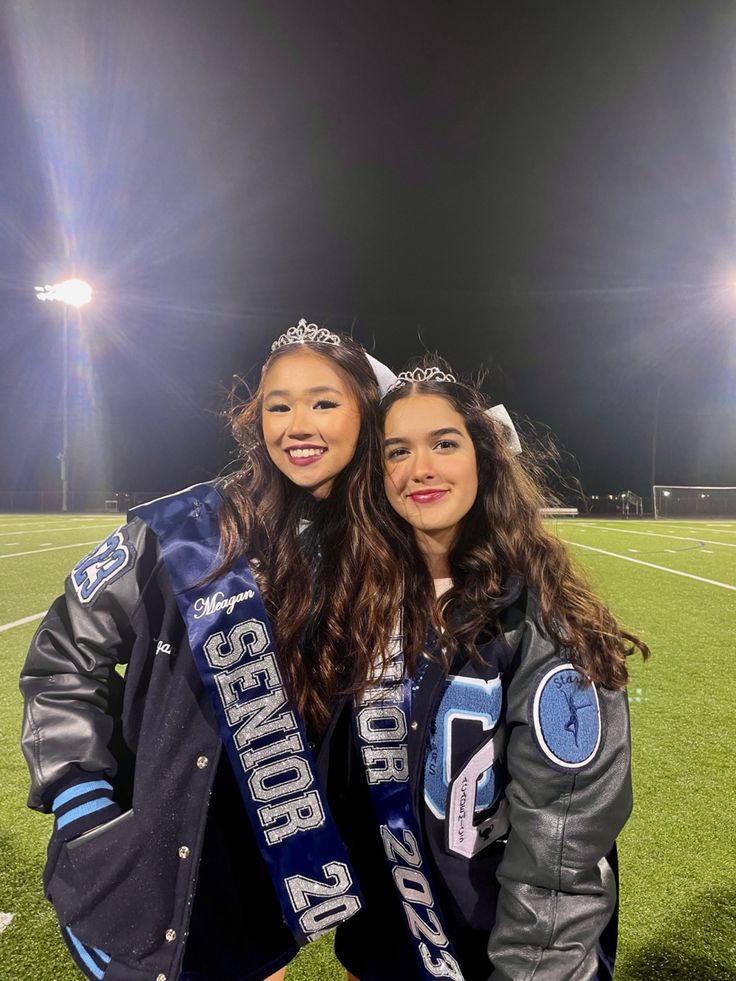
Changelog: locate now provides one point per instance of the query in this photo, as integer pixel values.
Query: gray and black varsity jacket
(521, 776)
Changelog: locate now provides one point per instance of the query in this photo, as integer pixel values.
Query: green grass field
(674, 583)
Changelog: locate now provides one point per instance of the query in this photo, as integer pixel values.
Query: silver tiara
(305, 333)
(422, 375)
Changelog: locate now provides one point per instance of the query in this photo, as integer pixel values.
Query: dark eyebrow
(433, 435)
(317, 390)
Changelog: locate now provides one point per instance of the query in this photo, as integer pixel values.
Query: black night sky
(543, 188)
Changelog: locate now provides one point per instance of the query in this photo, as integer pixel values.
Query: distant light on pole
(72, 293)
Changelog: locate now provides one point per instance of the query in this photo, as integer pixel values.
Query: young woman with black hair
(494, 755)
(170, 714)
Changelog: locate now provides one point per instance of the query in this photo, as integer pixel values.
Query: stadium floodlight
(70, 293)
(73, 292)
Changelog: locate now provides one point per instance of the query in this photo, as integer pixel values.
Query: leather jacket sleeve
(558, 891)
(69, 680)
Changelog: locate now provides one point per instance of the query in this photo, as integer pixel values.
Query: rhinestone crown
(422, 375)
(305, 333)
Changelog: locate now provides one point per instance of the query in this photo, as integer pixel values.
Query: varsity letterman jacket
(521, 777)
(152, 846)
(123, 746)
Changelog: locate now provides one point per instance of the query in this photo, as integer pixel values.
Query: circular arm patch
(565, 718)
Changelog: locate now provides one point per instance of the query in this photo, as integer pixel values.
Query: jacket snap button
(202, 762)
(170, 935)
(414, 725)
(183, 851)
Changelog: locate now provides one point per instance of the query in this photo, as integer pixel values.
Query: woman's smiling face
(310, 419)
(431, 473)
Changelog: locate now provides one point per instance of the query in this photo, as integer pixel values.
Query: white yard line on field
(19, 623)
(679, 538)
(22, 524)
(40, 531)
(5, 920)
(56, 548)
(40, 525)
(651, 565)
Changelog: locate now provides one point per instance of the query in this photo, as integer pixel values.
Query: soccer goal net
(671, 501)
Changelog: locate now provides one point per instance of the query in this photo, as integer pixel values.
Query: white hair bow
(499, 414)
(384, 376)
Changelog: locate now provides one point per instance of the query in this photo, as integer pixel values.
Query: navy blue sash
(380, 723)
(232, 644)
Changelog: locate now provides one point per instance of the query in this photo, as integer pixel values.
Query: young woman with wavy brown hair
(512, 719)
(192, 837)
(504, 533)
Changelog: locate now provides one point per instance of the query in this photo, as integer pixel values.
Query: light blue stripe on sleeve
(77, 790)
(102, 955)
(78, 812)
(84, 956)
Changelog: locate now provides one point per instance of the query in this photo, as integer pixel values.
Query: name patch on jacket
(565, 718)
(103, 566)
(462, 780)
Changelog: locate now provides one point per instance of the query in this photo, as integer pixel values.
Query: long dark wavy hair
(503, 535)
(328, 590)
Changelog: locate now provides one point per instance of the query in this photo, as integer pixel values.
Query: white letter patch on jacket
(102, 566)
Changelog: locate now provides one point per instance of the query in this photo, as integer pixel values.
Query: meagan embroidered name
(209, 605)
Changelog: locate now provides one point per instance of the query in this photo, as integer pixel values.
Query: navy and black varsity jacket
(118, 725)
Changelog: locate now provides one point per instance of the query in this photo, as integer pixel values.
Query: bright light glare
(666, 493)
(74, 292)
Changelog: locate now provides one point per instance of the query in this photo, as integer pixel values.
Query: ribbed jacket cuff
(82, 805)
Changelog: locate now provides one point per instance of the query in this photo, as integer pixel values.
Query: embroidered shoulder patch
(103, 566)
(565, 718)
